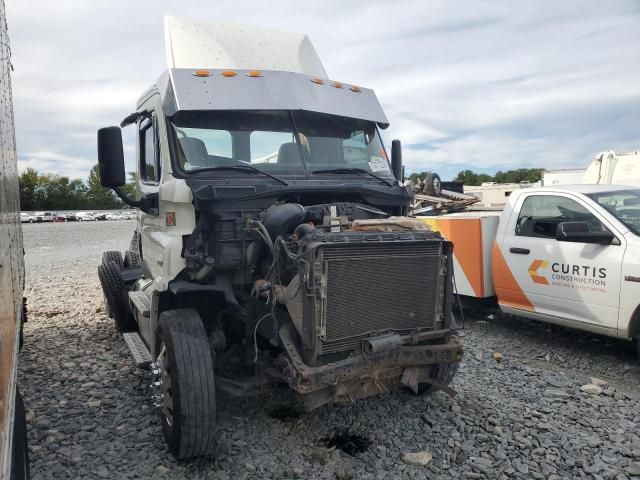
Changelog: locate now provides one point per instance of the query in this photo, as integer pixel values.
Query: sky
(470, 84)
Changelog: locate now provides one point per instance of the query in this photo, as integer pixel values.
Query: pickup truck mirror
(579, 232)
(111, 157)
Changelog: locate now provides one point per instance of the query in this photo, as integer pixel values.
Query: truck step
(139, 350)
(141, 302)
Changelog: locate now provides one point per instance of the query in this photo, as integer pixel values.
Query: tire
(113, 256)
(131, 259)
(443, 374)
(433, 185)
(188, 384)
(20, 450)
(116, 296)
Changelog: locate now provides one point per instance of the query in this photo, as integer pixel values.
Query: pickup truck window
(622, 204)
(541, 214)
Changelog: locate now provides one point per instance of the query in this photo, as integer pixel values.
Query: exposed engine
(339, 273)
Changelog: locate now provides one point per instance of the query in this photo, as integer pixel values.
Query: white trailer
(14, 461)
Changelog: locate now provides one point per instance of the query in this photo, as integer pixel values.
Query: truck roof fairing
(192, 44)
(181, 89)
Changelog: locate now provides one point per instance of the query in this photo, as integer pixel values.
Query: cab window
(149, 158)
(266, 146)
(540, 215)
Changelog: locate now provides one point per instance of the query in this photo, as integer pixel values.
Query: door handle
(522, 251)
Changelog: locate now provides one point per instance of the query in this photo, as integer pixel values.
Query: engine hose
(264, 234)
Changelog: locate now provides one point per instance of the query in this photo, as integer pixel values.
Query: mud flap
(413, 376)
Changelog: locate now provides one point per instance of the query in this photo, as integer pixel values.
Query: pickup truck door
(577, 284)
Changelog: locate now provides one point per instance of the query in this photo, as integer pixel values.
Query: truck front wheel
(186, 381)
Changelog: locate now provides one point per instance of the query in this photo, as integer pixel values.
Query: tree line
(50, 192)
(469, 177)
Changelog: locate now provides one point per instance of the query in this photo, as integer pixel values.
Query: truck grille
(377, 287)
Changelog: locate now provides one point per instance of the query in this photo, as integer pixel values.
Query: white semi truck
(14, 455)
(568, 255)
(606, 168)
(272, 244)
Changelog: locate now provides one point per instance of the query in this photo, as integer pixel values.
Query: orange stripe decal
(507, 289)
(466, 235)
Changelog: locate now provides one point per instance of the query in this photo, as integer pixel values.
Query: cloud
(489, 85)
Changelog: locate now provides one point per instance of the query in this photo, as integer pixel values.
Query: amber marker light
(337, 85)
(201, 73)
(229, 73)
(254, 73)
(356, 89)
(319, 81)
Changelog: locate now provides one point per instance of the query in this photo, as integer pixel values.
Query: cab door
(149, 175)
(577, 284)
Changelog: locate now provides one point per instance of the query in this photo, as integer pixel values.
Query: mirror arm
(148, 203)
(133, 118)
(129, 201)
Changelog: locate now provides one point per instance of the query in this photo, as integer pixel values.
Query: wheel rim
(163, 392)
(436, 185)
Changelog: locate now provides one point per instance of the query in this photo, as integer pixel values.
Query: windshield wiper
(240, 168)
(354, 170)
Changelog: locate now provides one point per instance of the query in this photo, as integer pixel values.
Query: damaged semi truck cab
(272, 244)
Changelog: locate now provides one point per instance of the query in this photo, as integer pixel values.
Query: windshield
(277, 141)
(623, 204)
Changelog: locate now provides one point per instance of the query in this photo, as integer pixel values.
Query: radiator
(370, 288)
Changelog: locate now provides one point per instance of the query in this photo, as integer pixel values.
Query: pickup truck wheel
(443, 374)
(20, 450)
(116, 295)
(433, 185)
(131, 259)
(188, 400)
(113, 256)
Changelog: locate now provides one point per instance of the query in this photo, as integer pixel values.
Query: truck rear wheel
(188, 401)
(20, 450)
(443, 374)
(131, 259)
(112, 256)
(115, 293)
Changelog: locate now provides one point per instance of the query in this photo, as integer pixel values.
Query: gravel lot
(524, 417)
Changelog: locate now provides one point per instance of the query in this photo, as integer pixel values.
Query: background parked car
(70, 217)
(58, 218)
(26, 217)
(44, 216)
(85, 217)
(115, 216)
(100, 216)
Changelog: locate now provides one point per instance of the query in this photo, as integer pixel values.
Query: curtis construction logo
(533, 271)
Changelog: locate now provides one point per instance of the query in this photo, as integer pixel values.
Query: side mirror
(396, 160)
(579, 232)
(111, 157)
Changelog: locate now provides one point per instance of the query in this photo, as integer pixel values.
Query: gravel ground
(523, 417)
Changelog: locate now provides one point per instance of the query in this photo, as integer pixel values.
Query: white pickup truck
(568, 255)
